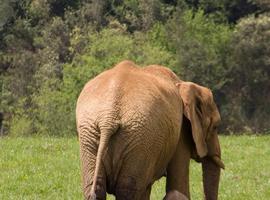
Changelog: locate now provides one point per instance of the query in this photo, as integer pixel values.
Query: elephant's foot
(175, 195)
(100, 191)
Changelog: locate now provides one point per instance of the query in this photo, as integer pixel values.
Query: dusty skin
(129, 122)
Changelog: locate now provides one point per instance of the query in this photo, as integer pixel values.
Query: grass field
(49, 168)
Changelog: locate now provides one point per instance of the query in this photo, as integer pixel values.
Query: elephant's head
(202, 114)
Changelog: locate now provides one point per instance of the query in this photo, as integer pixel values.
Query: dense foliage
(50, 48)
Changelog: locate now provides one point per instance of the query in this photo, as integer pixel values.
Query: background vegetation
(49, 168)
(50, 48)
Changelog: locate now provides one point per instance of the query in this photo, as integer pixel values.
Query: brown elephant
(175, 195)
(198, 140)
(128, 121)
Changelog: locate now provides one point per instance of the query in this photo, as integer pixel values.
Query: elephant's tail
(105, 135)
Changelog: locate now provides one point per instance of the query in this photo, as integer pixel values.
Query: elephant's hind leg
(175, 195)
(100, 191)
(126, 189)
(88, 154)
(146, 195)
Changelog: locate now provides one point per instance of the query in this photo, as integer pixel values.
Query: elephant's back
(127, 87)
(104, 92)
(140, 100)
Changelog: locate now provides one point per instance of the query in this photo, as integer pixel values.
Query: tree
(250, 85)
(226, 10)
(6, 13)
(201, 46)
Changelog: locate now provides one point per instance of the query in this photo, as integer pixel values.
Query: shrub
(201, 46)
(249, 86)
(56, 100)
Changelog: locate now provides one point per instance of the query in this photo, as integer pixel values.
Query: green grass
(49, 168)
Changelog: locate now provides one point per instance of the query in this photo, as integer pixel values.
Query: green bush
(201, 46)
(20, 126)
(249, 86)
(50, 48)
(56, 101)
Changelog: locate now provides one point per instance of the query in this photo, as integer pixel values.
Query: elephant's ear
(193, 103)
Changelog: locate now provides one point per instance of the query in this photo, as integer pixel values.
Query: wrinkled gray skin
(128, 122)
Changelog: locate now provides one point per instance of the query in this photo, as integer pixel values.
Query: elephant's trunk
(211, 174)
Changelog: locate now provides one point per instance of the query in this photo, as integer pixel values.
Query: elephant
(198, 140)
(175, 195)
(128, 122)
(137, 124)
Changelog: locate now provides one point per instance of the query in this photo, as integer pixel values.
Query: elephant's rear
(136, 106)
